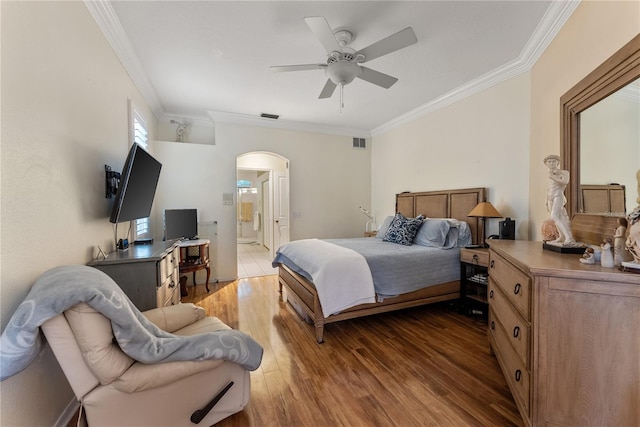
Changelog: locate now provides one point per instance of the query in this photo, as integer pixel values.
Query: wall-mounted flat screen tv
(137, 187)
(180, 224)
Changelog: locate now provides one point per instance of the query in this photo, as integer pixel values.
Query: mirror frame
(620, 69)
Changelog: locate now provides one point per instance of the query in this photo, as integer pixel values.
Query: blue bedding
(397, 269)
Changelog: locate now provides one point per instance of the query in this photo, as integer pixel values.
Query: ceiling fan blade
(377, 78)
(394, 42)
(301, 67)
(327, 90)
(320, 27)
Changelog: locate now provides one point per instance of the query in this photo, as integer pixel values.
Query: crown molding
(554, 18)
(108, 21)
(245, 119)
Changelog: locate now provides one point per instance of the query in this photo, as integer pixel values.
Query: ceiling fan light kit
(343, 72)
(343, 62)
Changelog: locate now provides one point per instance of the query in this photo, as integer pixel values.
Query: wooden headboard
(603, 199)
(445, 204)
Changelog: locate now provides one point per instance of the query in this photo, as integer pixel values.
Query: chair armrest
(141, 376)
(175, 317)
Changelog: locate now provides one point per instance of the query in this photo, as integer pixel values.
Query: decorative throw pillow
(402, 230)
(382, 231)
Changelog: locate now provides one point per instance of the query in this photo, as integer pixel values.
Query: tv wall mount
(112, 181)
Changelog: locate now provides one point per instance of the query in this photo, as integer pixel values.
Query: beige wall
(498, 138)
(64, 116)
(595, 31)
(328, 181)
(481, 141)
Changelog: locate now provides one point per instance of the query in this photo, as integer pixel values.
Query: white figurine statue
(606, 258)
(633, 240)
(638, 180)
(620, 253)
(589, 256)
(558, 180)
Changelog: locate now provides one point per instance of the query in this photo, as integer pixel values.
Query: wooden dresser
(566, 335)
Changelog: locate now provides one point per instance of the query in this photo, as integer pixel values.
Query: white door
(280, 210)
(266, 214)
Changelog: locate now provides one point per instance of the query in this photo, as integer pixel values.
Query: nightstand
(474, 279)
(370, 233)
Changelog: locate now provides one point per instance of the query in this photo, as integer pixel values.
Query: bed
(302, 294)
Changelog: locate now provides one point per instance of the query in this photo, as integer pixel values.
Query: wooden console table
(148, 274)
(194, 256)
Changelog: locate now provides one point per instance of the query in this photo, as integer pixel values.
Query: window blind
(139, 135)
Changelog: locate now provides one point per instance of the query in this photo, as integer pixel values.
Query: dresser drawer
(172, 296)
(169, 263)
(518, 331)
(476, 257)
(168, 293)
(514, 284)
(514, 370)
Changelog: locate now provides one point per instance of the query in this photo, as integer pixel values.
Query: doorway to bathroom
(262, 211)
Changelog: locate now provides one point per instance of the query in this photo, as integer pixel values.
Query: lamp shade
(485, 210)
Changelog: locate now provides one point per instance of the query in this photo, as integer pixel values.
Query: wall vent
(269, 116)
(360, 143)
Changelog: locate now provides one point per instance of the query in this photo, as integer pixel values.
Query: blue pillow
(433, 232)
(382, 231)
(402, 230)
(464, 237)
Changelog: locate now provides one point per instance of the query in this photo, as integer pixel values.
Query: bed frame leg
(319, 334)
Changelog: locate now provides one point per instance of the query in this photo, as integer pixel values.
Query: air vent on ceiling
(360, 143)
(269, 116)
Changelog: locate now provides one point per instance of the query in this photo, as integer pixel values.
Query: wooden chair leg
(183, 286)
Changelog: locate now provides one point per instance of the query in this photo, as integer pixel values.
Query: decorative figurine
(589, 256)
(638, 180)
(620, 253)
(558, 180)
(606, 258)
(633, 240)
(181, 131)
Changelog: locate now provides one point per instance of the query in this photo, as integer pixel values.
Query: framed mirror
(607, 83)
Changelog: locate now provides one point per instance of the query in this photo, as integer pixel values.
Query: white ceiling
(210, 59)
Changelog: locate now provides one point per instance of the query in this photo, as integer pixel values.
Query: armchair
(115, 389)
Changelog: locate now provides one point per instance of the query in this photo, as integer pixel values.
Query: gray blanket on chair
(63, 287)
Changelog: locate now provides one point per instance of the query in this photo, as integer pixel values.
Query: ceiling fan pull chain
(341, 97)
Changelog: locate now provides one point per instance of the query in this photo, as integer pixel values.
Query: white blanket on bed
(341, 276)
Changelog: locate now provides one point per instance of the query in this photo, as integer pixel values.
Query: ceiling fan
(343, 62)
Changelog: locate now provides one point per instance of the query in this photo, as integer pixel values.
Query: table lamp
(371, 224)
(484, 210)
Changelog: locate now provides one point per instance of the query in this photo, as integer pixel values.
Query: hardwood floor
(425, 366)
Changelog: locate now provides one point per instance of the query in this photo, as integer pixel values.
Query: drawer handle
(516, 331)
(172, 284)
(518, 375)
(493, 325)
(491, 294)
(516, 289)
(492, 263)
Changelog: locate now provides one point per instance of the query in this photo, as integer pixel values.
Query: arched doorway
(262, 210)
